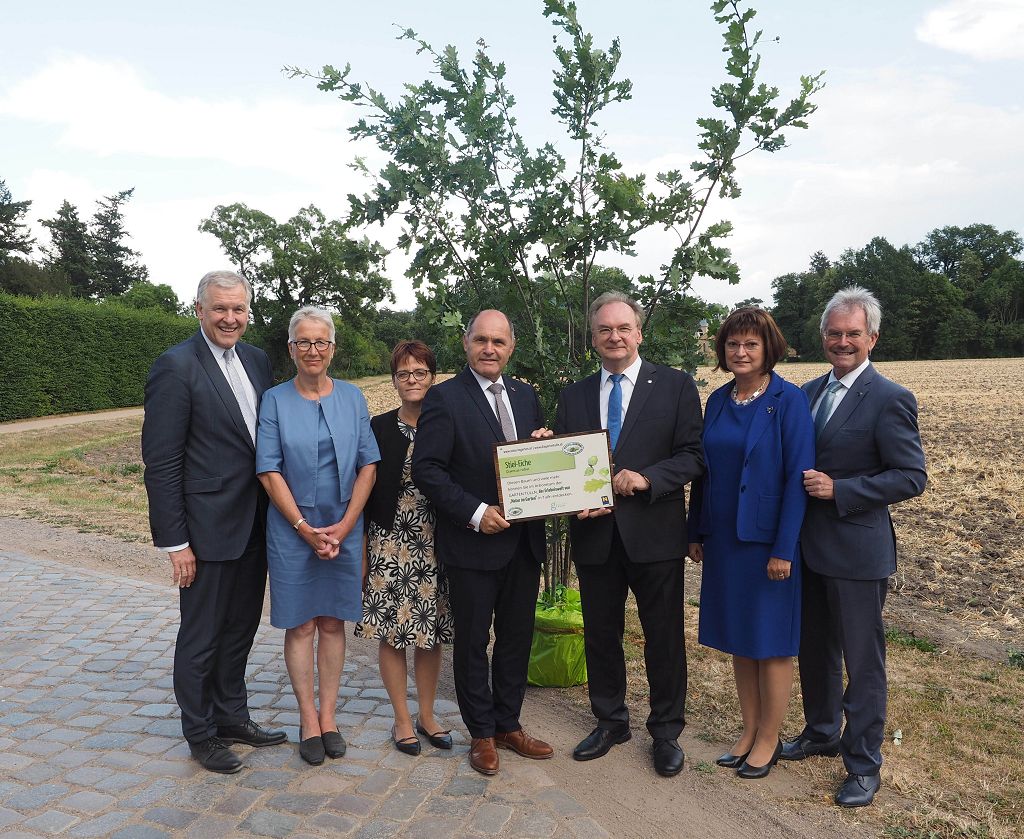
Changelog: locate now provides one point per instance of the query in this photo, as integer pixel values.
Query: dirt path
(18, 426)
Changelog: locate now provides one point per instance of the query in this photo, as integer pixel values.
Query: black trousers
(491, 696)
(842, 621)
(658, 588)
(220, 613)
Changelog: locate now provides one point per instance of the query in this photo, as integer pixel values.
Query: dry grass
(956, 606)
(959, 592)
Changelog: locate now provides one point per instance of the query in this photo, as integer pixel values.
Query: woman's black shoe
(407, 745)
(311, 749)
(334, 744)
(752, 773)
(439, 739)
(731, 761)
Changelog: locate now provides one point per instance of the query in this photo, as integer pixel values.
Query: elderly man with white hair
(207, 510)
(868, 455)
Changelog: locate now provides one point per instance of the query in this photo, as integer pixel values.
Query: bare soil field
(954, 752)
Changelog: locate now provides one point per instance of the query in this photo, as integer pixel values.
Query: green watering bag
(557, 658)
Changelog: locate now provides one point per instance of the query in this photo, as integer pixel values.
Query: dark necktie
(615, 408)
(503, 416)
(825, 407)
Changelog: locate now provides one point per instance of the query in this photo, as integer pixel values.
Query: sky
(920, 125)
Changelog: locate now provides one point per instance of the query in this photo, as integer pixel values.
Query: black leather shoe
(599, 742)
(407, 745)
(439, 739)
(312, 749)
(251, 734)
(668, 757)
(731, 761)
(752, 773)
(334, 744)
(800, 747)
(858, 790)
(213, 754)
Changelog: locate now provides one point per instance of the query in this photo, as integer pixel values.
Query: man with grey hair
(868, 456)
(207, 510)
(654, 422)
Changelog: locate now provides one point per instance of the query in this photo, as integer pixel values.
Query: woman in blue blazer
(317, 458)
(744, 523)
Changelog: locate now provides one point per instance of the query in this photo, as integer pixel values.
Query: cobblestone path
(90, 742)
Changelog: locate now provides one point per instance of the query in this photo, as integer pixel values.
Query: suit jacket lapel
(521, 406)
(764, 413)
(592, 397)
(642, 389)
(219, 382)
(255, 378)
(851, 401)
(476, 396)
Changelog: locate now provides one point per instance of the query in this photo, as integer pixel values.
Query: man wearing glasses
(207, 510)
(868, 456)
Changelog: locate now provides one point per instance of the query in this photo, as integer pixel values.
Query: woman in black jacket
(405, 596)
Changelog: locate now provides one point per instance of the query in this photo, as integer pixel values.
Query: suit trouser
(842, 621)
(658, 588)
(508, 596)
(220, 613)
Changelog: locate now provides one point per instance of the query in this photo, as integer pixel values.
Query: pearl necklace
(754, 395)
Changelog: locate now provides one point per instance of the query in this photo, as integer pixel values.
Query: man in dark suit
(653, 417)
(868, 456)
(207, 510)
(493, 567)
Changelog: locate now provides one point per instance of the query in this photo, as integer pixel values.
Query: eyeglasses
(419, 375)
(835, 335)
(304, 346)
(749, 346)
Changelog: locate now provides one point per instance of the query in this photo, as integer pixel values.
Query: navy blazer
(453, 466)
(779, 447)
(871, 449)
(200, 460)
(660, 438)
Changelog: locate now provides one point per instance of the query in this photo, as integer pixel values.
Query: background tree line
(959, 293)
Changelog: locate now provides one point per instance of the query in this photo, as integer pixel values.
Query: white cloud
(889, 153)
(988, 30)
(106, 108)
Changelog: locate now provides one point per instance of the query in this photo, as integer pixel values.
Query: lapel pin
(770, 409)
(650, 381)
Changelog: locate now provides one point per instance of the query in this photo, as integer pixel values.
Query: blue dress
(318, 447)
(742, 612)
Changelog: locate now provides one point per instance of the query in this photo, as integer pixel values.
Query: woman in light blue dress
(316, 456)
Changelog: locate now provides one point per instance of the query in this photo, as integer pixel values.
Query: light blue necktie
(825, 407)
(615, 408)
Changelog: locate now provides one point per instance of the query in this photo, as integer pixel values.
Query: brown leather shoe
(522, 743)
(482, 756)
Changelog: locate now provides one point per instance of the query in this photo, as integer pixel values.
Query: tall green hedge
(59, 355)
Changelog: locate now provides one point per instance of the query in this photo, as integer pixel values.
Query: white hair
(222, 279)
(854, 297)
(311, 313)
